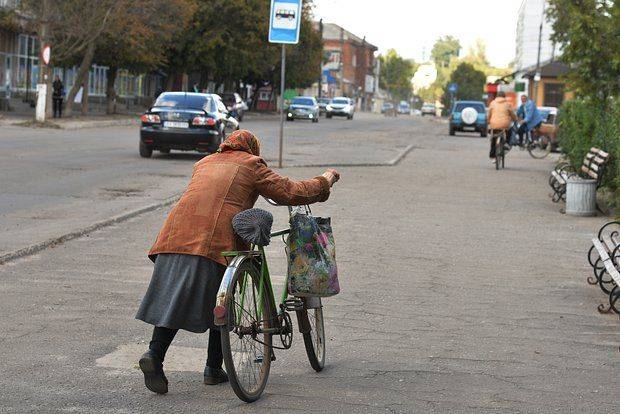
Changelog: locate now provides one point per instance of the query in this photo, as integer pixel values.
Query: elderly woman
(187, 253)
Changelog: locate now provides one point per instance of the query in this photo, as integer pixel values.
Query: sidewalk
(463, 290)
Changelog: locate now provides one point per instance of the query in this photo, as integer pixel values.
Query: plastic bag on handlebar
(312, 269)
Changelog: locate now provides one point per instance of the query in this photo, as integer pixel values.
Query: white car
(340, 107)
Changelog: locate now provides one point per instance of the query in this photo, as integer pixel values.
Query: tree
(71, 31)
(136, 37)
(396, 74)
(445, 49)
(470, 83)
(588, 32)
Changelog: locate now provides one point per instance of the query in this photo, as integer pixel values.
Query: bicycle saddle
(253, 226)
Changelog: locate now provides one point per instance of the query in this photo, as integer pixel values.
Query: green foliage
(470, 83)
(396, 74)
(588, 32)
(226, 40)
(584, 124)
(445, 49)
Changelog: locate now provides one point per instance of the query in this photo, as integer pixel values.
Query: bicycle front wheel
(539, 147)
(314, 340)
(246, 349)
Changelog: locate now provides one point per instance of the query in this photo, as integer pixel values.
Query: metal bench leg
(592, 259)
(598, 269)
(614, 296)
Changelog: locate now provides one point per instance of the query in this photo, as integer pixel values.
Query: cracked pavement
(463, 290)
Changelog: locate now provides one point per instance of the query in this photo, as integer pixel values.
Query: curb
(393, 162)
(35, 248)
(72, 125)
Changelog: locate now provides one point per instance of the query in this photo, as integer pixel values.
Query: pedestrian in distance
(188, 251)
(500, 117)
(529, 114)
(57, 96)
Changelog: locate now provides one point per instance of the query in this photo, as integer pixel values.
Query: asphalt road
(55, 181)
(463, 290)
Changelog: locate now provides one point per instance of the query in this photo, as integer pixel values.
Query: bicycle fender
(219, 318)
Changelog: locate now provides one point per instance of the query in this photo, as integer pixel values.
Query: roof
(549, 69)
(331, 31)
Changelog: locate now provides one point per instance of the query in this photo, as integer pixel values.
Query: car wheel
(315, 120)
(328, 116)
(452, 130)
(145, 150)
(483, 134)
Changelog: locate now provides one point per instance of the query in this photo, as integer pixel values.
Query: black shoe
(214, 376)
(153, 370)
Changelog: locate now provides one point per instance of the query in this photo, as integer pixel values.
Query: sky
(412, 26)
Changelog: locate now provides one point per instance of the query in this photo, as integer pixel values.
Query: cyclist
(501, 116)
(187, 253)
(531, 117)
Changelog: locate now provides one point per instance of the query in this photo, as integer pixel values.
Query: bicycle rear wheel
(247, 351)
(314, 340)
(499, 152)
(539, 147)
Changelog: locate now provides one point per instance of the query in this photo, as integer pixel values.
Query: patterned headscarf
(241, 140)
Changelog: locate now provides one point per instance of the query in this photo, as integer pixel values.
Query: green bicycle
(250, 318)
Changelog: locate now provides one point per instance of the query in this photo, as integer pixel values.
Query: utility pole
(537, 74)
(341, 65)
(282, 74)
(321, 63)
(44, 96)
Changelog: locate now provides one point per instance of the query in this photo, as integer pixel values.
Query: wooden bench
(604, 257)
(592, 168)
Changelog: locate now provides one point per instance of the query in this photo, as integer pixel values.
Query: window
(554, 94)
(28, 62)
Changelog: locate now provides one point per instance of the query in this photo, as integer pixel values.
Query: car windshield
(185, 101)
(341, 101)
(303, 101)
(462, 105)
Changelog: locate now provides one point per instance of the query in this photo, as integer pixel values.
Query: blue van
(469, 116)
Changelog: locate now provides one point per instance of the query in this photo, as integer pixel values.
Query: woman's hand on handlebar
(332, 176)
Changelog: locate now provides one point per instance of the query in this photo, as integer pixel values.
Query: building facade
(19, 70)
(531, 15)
(351, 68)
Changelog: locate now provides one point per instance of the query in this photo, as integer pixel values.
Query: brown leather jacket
(222, 185)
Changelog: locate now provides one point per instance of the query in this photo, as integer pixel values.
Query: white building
(531, 15)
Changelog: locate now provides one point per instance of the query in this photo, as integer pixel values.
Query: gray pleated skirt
(182, 292)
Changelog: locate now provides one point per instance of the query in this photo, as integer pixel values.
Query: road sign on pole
(284, 22)
(453, 87)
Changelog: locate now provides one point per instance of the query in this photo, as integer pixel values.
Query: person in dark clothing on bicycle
(57, 96)
(531, 117)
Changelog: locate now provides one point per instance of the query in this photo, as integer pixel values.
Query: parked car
(429, 109)
(323, 102)
(303, 107)
(549, 126)
(234, 104)
(404, 108)
(386, 107)
(185, 121)
(468, 116)
(341, 106)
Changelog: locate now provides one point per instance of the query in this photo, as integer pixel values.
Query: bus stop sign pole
(282, 83)
(284, 23)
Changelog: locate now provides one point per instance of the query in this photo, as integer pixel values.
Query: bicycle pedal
(293, 305)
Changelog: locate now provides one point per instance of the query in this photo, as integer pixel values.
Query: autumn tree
(396, 74)
(445, 49)
(588, 33)
(136, 37)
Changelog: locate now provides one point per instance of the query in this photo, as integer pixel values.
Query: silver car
(303, 107)
(341, 107)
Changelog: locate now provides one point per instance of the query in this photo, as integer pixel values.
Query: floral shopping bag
(312, 267)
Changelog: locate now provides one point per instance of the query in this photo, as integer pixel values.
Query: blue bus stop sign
(453, 87)
(284, 21)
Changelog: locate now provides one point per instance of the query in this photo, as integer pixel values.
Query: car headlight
(328, 107)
